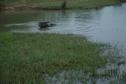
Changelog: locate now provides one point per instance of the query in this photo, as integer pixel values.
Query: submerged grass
(26, 58)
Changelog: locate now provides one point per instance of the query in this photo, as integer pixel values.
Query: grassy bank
(56, 4)
(26, 58)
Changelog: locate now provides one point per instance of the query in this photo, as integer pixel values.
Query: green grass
(71, 4)
(26, 58)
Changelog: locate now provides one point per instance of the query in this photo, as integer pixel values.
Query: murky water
(107, 25)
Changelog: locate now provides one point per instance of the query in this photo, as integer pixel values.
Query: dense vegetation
(25, 58)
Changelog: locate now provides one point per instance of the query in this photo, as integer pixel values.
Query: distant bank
(6, 5)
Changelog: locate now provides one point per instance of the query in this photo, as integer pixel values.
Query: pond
(106, 25)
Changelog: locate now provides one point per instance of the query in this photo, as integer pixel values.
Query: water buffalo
(45, 24)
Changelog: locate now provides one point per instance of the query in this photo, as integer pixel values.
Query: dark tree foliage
(122, 0)
(6, 1)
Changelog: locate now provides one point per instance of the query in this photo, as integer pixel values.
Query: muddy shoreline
(29, 7)
(32, 7)
(16, 8)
